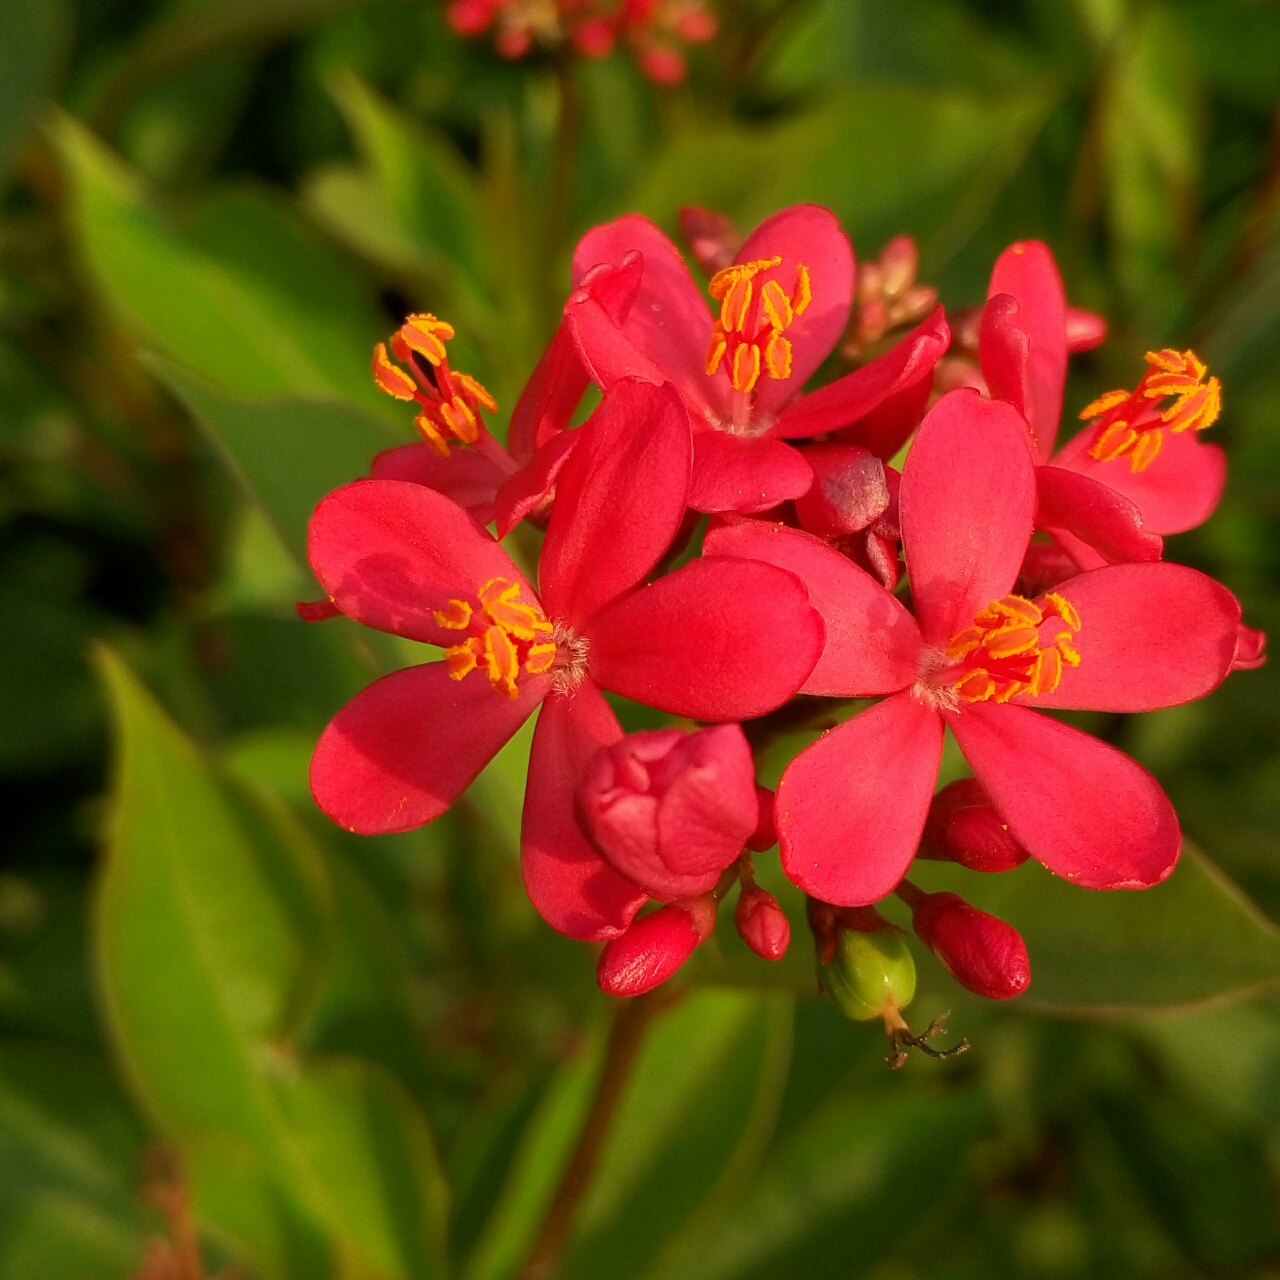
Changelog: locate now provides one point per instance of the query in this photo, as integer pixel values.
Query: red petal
(1005, 354)
(530, 490)
(884, 398)
(872, 643)
(620, 499)
(389, 553)
(968, 500)
(1027, 272)
(470, 478)
(745, 474)
(553, 392)
(1085, 330)
(669, 322)
(1071, 503)
(1087, 811)
(1151, 636)
(570, 884)
(808, 234)
(1177, 492)
(404, 749)
(852, 806)
(717, 640)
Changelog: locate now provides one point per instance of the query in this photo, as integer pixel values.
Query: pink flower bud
(594, 37)
(671, 810)
(762, 923)
(765, 836)
(964, 826)
(849, 490)
(654, 947)
(978, 950)
(712, 238)
(899, 262)
(1085, 330)
(1251, 648)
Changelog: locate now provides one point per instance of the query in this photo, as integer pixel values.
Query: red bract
(1108, 505)
(669, 809)
(782, 305)
(708, 641)
(975, 658)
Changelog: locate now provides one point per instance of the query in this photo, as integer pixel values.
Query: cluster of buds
(653, 29)
(1037, 582)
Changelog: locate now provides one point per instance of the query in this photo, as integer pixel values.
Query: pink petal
(967, 502)
(872, 643)
(529, 492)
(620, 499)
(1027, 272)
(1087, 811)
(1105, 520)
(1177, 492)
(808, 234)
(669, 322)
(560, 378)
(570, 884)
(1151, 636)
(1004, 350)
(1085, 330)
(389, 553)
(852, 806)
(880, 403)
(717, 640)
(404, 749)
(745, 473)
(470, 478)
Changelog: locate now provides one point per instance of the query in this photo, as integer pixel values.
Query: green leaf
(288, 452)
(850, 155)
(35, 39)
(1192, 939)
(246, 298)
(372, 1165)
(839, 1193)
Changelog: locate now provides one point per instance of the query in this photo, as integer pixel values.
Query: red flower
(783, 303)
(716, 640)
(1107, 504)
(852, 807)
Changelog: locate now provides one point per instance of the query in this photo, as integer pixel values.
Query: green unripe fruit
(872, 975)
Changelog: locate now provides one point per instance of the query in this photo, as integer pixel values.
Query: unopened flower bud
(669, 809)
(1251, 648)
(978, 950)
(712, 238)
(654, 947)
(899, 261)
(871, 975)
(963, 826)
(849, 491)
(762, 923)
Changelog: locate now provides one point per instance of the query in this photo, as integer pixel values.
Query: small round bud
(980, 951)
(762, 923)
(964, 826)
(654, 947)
(849, 492)
(669, 809)
(871, 975)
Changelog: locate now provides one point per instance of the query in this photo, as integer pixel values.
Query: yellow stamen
(391, 378)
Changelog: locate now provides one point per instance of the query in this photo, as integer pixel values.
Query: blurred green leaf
(839, 1192)
(371, 1161)
(288, 452)
(246, 298)
(35, 37)
(1191, 939)
(886, 158)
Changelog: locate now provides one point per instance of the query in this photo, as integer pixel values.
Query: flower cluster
(654, 30)
(721, 538)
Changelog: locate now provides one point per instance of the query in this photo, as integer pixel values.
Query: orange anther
(476, 391)
(745, 371)
(390, 377)
(502, 661)
(455, 616)
(426, 335)
(750, 327)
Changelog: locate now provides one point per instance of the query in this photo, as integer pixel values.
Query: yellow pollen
(506, 635)
(1131, 424)
(1003, 654)
(450, 401)
(749, 329)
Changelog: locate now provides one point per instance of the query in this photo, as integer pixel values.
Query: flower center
(449, 400)
(1015, 646)
(1131, 424)
(750, 332)
(505, 635)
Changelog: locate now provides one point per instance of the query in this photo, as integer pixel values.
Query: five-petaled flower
(718, 639)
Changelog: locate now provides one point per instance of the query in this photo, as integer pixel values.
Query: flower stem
(631, 1019)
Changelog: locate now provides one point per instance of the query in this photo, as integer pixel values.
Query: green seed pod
(872, 975)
